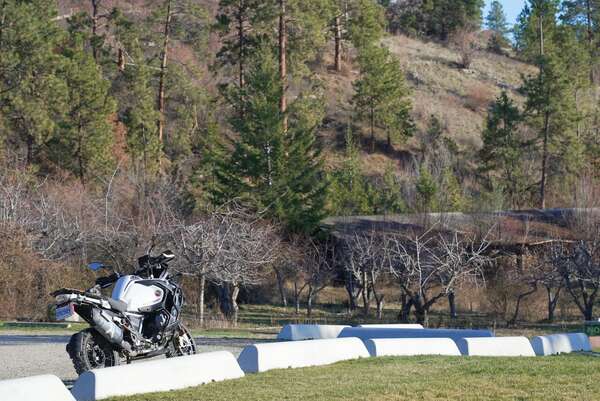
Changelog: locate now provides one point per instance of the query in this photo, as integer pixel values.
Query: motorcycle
(140, 320)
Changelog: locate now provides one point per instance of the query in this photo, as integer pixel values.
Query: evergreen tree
(550, 109)
(32, 92)
(504, 149)
(426, 192)
(496, 22)
(241, 23)
(84, 143)
(381, 95)
(139, 116)
(390, 199)
(584, 17)
(451, 198)
(496, 19)
(536, 29)
(274, 170)
(551, 95)
(349, 192)
(366, 23)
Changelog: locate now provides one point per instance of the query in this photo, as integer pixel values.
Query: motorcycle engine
(154, 324)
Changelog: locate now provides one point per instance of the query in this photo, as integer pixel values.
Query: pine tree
(381, 95)
(349, 192)
(550, 109)
(496, 22)
(451, 197)
(275, 170)
(240, 23)
(536, 28)
(426, 192)
(84, 143)
(504, 150)
(140, 116)
(32, 92)
(366, 23)
(584, 17)
(390, 199)
(551, 95)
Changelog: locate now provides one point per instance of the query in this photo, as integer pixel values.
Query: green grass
(41, 328)
(571, 377)
(235, 333)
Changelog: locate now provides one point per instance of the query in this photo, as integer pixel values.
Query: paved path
(32, 354)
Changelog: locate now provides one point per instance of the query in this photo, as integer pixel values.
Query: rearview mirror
(95, 266)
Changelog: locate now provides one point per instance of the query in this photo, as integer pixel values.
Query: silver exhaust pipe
(104, 325)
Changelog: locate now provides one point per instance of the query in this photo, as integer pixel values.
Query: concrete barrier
(411, 346)
(298, 354)
(367, 333)
(560, 343)
(296, 332)
(154, 376)
(35, 388)
(392, 326)
(495, 346)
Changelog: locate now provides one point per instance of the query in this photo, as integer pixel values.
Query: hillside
(458, 97)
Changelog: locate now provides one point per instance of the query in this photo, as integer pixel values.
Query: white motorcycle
(141, 319)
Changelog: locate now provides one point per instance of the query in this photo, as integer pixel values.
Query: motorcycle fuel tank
(138, 297)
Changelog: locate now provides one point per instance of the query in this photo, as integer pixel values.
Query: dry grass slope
(459, 97)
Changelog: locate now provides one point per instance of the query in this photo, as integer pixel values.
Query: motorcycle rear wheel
(181, 344)
(89, 350)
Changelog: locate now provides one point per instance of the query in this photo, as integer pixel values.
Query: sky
(512, 8)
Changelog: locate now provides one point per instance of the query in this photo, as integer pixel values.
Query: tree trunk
(521, 297)
(365, 294)
(372, 120)
(280, 286)
(422, 316)
(406, 307)
(588, 312)
(234, 305)
(297, 292)
(379, 308)
(552, 302)
(338, 43)
(201, 287)
(283, 62)
(351, 291)
(79, 152)
(241, 43)
(544, 161)
(95, 28)
(309, 299)
(224, 300)
(163, 74)
(452, 304)
(378, 297)
(590, 32)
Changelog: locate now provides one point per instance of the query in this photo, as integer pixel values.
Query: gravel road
(35, 354)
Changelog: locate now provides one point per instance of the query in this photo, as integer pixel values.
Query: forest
(228, 130)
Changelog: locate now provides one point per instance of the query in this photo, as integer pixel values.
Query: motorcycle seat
(117, 305)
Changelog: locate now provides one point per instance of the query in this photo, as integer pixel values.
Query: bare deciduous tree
(368, 264)
(579, 266)
(428, 267)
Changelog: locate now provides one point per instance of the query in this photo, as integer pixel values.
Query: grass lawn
(569, 377)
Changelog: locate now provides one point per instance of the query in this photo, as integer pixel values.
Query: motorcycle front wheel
(181, 344)
(89, 350)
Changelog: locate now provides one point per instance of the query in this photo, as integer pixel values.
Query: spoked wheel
(89, 350)
(182, 343)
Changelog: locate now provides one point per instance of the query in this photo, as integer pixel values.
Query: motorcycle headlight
(62, 298)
